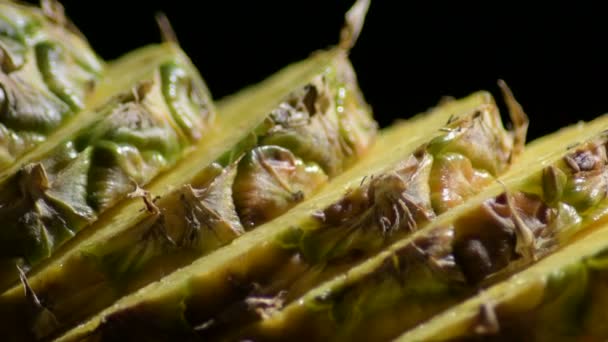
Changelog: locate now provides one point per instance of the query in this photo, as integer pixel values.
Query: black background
(409, 55)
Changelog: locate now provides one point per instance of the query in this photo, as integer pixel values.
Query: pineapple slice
(273, 146)
(47, 75)
(193, 301)
(561, 298)
(554, 193)
(151, 108)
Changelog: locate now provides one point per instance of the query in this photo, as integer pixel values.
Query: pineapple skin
(471, 150)
(133, 135)
(324, 137)
(561, 298)
(480, 245)
(48, 72)
(181, 305)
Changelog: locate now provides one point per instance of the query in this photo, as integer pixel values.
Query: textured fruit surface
(492, 235)
(562, 298)
(188, 299)
(131, 211)
(47, 75)
(296, 131)
(385, 207)
(134, 136)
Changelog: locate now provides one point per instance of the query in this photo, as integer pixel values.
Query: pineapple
(284, 217)
(488, 238)
(47, 75)
(561, 298)
(273, 146)
(158, 114)
(195, 301)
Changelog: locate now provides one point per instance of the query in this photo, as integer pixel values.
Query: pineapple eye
(271, 180)
(453, 180)
(136, 125)
(44, 210)
(65, 77)
(477, 137)
(45, 74)
(186, 101)
(581, 180)
(26, 108)
(305, 125)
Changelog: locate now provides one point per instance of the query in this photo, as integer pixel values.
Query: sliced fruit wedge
(193, 301)
(561, 298)
(273, 146)
(552, 194)
(153, 108)
(48, 73)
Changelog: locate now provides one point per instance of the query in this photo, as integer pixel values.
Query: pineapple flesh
(47, 75)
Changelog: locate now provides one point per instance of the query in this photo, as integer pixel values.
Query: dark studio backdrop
(409, 55)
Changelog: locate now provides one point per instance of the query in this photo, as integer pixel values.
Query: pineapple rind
(204, 282)
(129, 138)
(48, 73)
(561, 298)
(119, 233)
(419, 276)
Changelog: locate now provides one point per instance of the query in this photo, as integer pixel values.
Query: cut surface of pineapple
(48, 73)
(491, 236)
(152, 109)
(182, 302)
(561, 298)
(279, 141)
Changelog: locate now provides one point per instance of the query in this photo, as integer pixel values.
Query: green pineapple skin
(386, 207)
(132, 137)
(150, 243)
(178, 306)
(47, 75)
(562, 298)
(419, 277)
